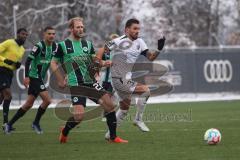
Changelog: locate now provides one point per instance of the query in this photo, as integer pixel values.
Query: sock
(18, 115)
(6, 105)
(112, 124)
(71, 123)
(39, 114)
(1, 99)
(120, 115)
(141, 103)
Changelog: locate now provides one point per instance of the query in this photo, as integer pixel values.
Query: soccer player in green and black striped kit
(77, 57)
(106, 75)
(36, 68)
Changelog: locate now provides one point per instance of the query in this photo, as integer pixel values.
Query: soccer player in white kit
(126, 49)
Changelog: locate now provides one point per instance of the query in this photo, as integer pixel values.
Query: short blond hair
(113, 36)
(72, 20)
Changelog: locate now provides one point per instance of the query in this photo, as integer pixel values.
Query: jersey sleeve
(92, 50)
(4, 45)
(111, 45)
(143, 45)
(58, 56)
(35, 51)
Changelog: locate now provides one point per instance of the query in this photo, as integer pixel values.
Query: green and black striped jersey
(41, 56)
(106, 73)
(76, 58)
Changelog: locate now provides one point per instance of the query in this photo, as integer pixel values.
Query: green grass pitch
(177, 131)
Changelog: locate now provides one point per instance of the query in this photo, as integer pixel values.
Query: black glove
(8, 61)
(17, 65)
(161, 43)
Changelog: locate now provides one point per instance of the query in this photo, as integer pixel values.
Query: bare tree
(185, 22)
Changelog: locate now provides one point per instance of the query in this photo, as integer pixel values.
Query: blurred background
(202, 47)
(186, 23)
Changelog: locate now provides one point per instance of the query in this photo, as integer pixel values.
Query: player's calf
(140, 105)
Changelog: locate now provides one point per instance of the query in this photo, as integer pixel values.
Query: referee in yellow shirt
(11, 53)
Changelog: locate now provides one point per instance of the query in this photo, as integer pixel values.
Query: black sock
(6, 105)
(112, 124)
(18, 115)
(1, 98)
(39, 114)
(71, 123)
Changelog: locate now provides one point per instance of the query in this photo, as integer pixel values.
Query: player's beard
(134, 36)
(50, 40)
(20, 41)
(79, 35)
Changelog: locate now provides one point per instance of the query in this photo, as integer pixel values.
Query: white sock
(121, 114)
(141, 103)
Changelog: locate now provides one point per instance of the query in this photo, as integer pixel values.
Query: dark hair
(21, 29)
(130, 22)
(48, 28)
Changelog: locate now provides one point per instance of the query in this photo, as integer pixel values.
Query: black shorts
(36, 86)
(79, 94)
(107, 86)
(6, 76)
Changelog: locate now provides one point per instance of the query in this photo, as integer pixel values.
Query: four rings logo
(218, 71)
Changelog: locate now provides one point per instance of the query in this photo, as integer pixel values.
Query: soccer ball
(212, 136)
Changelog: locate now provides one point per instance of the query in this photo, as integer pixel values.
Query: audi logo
(218, 71)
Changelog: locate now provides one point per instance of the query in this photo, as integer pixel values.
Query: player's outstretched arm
(57, 73)
(26, 80)
(161, 43)
(152, 55)
(99, 55)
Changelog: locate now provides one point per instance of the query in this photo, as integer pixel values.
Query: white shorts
(123, 87)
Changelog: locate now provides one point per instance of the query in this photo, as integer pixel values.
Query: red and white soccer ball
(212, 136)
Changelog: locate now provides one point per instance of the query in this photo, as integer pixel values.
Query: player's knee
(146, 92)
(47, 102)
(8, 96)
(78, 117)
(107, 103)
(27, 105)
(109, 108)
(124, 105)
